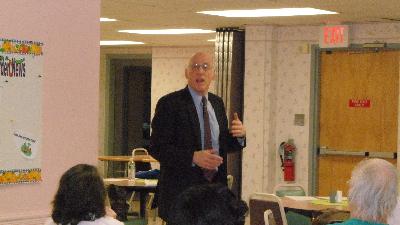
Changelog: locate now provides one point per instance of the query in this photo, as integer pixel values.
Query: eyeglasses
(204, 66)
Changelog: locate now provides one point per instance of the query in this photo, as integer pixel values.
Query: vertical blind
(229, 71)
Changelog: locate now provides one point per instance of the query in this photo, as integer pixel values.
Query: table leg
(105, 171)
(126, 168)
(142, 197)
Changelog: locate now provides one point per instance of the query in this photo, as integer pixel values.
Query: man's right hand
(207, 159)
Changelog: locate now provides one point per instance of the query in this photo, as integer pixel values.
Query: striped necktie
(208, 174)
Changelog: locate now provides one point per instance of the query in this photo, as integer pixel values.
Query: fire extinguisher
(286, 153)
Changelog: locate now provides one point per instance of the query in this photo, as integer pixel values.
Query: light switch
(299, 119)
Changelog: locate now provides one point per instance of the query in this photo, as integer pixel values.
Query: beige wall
(277, 86)
(70, 32)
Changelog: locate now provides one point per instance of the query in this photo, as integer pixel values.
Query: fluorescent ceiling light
(268, 12)
(168, 31)
(103, 19)
(120, 43)
(211, 40)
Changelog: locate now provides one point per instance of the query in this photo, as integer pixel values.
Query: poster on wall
(21, 71)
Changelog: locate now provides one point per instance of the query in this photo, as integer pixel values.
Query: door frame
(109, 91)
(314, 106)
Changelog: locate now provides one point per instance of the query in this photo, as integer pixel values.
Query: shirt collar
(195, 96)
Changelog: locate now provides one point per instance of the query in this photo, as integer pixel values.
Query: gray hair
(373, 190)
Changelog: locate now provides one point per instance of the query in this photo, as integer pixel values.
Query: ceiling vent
(392, 19)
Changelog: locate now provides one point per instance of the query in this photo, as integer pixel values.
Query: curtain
(229, 71)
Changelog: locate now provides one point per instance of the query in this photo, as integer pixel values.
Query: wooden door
(358, 112)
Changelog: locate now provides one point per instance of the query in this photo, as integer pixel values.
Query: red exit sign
(359, 103)
(334, 36)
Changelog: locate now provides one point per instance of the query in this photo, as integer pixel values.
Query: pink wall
(70, 32)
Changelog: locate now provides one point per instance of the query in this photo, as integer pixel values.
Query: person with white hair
(394, 219)
(373, 192)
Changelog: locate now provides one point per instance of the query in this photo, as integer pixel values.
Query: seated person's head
(80, 196)
(373, 190)
(209, 204)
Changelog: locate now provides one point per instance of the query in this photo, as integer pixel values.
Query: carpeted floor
(135, 222)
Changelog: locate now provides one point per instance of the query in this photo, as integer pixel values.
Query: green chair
(136, 222)
(282, 190)
(292, 218)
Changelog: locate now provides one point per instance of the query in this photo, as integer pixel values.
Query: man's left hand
(237, 128)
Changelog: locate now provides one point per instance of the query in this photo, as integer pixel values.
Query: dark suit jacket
(175, 136)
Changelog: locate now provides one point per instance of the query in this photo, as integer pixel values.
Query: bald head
(199, 72)
(199, 55)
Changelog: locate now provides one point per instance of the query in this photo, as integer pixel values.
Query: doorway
(130, 90)
(355, 113)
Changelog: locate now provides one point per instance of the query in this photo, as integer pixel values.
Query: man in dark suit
(190, 136)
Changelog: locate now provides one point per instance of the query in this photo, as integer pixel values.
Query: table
(307, 208)
(125, 158)
(307, 205)
(141, 186)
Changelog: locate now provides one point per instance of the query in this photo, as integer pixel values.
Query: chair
(229, 181)
(269, 218)
(260, 203)
(117, 201)
(282, 190)
(139, 151)
(139, 166)
(149, 207)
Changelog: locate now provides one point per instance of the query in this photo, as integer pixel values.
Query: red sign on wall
(359, 103)
(334, 36)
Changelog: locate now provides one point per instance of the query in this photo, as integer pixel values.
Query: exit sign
(334, 36)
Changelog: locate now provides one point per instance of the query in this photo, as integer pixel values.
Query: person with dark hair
(80, 199)
(190, 135)
(208, 204)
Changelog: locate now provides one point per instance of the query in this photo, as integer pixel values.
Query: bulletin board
(21, 75)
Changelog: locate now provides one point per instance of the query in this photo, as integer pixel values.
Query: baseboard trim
(35, 218)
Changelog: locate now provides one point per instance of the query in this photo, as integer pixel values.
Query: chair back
(141, 166)
(282, 190)
(269, 217)
(139, 151)
(261, 202)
